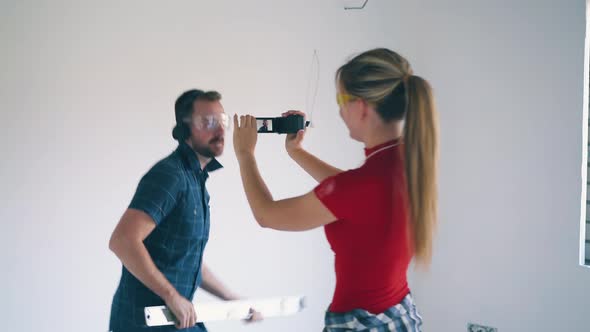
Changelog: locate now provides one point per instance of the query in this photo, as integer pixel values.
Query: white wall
(86, 95)
(509, 81)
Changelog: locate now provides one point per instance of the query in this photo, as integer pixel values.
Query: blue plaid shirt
(173, 194)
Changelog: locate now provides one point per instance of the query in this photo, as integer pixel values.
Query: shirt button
(195, 212)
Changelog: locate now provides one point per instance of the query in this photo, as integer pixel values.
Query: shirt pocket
(192, 219)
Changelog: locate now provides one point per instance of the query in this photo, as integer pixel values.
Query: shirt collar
(187, 152)
(385, 145)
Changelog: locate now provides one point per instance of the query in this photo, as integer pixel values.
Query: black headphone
(183, 107)
(181, 132)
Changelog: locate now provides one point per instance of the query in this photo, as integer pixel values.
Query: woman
(376, 217)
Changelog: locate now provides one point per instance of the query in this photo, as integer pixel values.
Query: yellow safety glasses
(343, 98)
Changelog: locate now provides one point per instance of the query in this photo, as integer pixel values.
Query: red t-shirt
(370, 239)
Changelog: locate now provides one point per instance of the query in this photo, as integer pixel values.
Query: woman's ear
(364, 108)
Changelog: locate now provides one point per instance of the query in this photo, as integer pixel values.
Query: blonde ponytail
(421, 159)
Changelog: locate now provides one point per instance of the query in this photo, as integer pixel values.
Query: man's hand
(183, 310)
(255, 316)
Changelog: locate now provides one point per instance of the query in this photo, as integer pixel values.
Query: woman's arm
(293, 214)
(317, 168)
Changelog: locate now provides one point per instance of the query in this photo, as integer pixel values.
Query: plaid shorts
(402, 317)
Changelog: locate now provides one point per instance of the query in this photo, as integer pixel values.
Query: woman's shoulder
(358, 178)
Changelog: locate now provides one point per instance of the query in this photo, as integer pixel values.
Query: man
(264, 127)
(161, 237)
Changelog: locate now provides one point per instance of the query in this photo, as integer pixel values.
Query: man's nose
(220, 130)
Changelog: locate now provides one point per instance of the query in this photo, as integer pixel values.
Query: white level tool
(230, 310)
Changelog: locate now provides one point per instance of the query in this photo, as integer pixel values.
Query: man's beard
(205, 149)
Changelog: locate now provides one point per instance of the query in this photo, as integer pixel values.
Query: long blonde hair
(385, 79)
